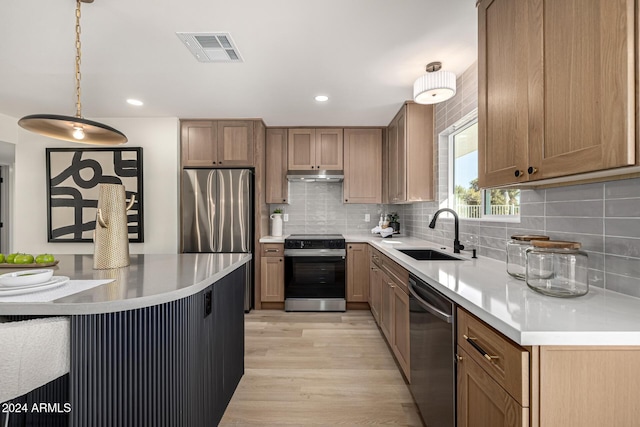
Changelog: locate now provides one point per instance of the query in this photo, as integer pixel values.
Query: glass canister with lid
(557, 268)
(516, 259)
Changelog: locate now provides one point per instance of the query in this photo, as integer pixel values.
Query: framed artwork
(73, 175)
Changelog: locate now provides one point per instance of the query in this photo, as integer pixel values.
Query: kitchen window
(467, 199)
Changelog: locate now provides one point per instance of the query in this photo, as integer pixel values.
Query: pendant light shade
(73, 128)
(435, 86)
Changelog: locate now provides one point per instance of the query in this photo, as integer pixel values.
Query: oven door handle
(340, 253)
(431, 309)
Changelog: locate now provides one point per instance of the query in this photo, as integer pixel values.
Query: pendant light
(435, 86)
(74, 128)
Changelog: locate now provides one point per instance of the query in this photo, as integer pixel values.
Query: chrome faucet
(457, 247)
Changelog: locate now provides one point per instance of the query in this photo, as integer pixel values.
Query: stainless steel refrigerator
(217, 214)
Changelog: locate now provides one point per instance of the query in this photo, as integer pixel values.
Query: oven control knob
(332, 244)
(290, 245)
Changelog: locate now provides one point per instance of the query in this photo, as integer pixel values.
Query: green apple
(23, 259)
(44, 259)
(11, 257)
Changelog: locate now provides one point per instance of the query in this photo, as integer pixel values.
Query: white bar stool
(33, 353)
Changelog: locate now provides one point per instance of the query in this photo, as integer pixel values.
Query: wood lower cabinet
(375, 290)
(556, 88)
(401, 331)
(357, 272)
(217, 143)
(276, 186)
(410, 156)
(272, 272)
(320, 149)
(481, 401)
(493, 376)
(503, 384)
(362, 166)
(389, 303)
(386, 308)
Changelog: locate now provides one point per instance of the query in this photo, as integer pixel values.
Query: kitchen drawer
(273, 249)
(376, 256)
(506, 362)
(397, 273)
(481, 402)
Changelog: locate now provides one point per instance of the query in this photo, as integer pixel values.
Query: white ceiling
(363, 54)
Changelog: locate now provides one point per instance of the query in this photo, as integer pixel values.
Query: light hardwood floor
(320, 369)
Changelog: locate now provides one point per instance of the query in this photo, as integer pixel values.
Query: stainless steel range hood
(315, 176)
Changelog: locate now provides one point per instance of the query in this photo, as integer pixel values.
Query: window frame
(450, 134)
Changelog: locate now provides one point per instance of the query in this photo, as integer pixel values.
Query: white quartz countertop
(149, 280)
(483, 287)
(272, 239)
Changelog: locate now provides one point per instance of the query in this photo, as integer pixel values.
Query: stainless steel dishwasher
(433, 366)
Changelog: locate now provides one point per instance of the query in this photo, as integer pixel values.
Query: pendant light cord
(78, 56)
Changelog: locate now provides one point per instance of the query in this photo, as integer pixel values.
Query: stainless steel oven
(314, 273)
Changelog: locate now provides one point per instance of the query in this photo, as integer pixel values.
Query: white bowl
(26, 277)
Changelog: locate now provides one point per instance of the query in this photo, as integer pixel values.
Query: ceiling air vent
(211, 47)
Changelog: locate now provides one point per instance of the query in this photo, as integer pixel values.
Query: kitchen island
(162, 344)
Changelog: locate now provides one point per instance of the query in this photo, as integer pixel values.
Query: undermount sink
(429, 255)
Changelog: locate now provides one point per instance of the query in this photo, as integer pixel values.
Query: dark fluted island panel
(173, 364)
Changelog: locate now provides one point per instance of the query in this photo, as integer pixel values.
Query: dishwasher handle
(430, 308)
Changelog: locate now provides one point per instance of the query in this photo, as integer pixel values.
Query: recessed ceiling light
(322, 98)
(135, 102)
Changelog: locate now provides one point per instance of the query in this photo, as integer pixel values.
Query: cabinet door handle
(518, 173)
(317, 167)
(346, 200)
(474, 344)
(284, 200)
(219, 163)
(280, 260)
(312, 167)
(532, 170)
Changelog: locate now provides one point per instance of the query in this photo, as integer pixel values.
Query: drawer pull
(474, 344)
(272, 250)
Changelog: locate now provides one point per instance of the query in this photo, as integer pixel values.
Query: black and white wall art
(73, 176)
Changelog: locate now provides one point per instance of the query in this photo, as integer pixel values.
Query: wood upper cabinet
(329, 149)
(315, 149)
(217, 143)
(272, 272)
(556, 88)
(357, 272)
(276, 186)
(235, 143)
(410, 156)
(198, 142)
(362, 166)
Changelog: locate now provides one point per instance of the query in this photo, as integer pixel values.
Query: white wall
(159, 139)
